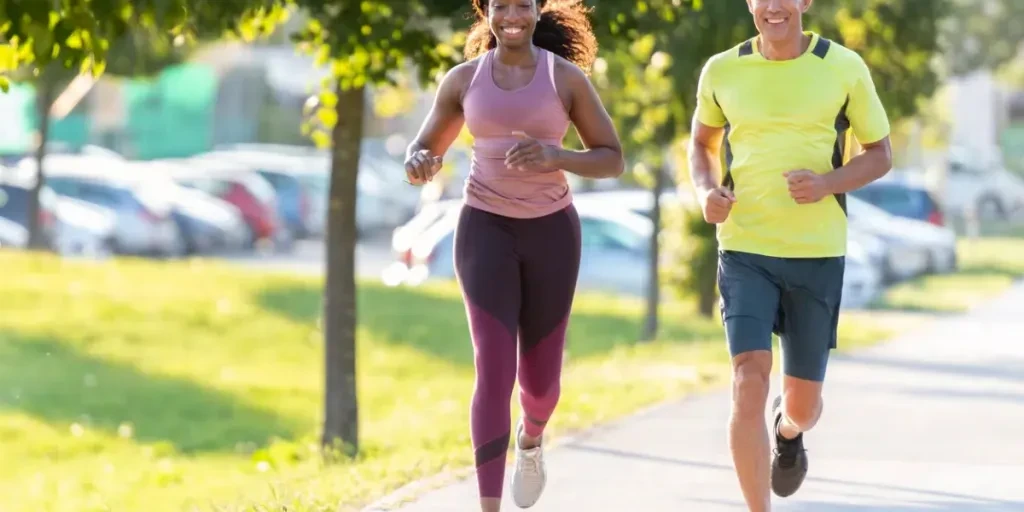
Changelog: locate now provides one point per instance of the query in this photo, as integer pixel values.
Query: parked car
(294, 201)
(14, 198)
(384, 201)
(12, 235)
(903, 196)
(862, 278)
(84, 229)
(243, 188)
(985, 188)
(614, 257)
(144, 225)
(912, 247)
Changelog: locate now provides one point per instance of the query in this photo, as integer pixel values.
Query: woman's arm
(441, 127)
(602, 157)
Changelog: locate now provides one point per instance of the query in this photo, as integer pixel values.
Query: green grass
(987, 266)
(132, 385)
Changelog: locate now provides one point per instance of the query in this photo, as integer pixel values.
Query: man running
(782, 104)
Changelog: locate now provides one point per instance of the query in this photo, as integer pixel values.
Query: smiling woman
(517, 241)
(562, 28)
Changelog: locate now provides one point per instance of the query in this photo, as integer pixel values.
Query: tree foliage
(981, 34)
(79, 35)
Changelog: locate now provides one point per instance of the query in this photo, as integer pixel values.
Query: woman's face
(512, 21)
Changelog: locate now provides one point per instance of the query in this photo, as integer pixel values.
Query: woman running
(517, 243)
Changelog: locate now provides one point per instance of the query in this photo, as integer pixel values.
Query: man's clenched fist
(717, 204)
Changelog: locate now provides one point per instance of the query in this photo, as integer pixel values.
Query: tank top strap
(551, 70)
(482, 67)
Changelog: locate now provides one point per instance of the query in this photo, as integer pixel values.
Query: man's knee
(802, 404)
(751, 381)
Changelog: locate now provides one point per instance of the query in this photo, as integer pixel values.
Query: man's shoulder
(835, 53)
(722, 61)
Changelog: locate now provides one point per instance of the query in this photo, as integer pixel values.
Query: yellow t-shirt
(781, 116)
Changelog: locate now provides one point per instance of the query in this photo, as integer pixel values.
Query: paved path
(932, 422)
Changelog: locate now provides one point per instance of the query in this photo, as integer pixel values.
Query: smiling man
(778, 109)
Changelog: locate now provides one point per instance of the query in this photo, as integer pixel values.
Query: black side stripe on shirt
(839, 149)
(727, 179)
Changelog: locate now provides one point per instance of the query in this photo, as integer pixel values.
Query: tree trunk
(45, 91)
(341, 418)
(650, 331)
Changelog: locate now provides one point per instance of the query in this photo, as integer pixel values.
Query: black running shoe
(789, 465)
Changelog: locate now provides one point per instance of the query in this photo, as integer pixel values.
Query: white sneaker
(529, 477)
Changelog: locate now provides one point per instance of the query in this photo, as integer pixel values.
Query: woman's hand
(530, 154)
(421, 166)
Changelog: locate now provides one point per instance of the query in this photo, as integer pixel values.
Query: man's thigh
(809, 315)
(749, 301)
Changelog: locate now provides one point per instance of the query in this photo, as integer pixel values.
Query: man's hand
(806, 186)
(530, 154)
(716, 204)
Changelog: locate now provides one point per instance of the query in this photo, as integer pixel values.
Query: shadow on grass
(54, 382)
(436, 323)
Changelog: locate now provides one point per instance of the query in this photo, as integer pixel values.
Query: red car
(244, 188)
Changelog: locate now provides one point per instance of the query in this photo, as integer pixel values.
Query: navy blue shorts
(796, 298)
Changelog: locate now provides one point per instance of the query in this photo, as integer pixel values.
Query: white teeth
(512, 30)
(776, 21)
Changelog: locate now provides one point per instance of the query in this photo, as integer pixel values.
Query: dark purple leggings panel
(518, 279)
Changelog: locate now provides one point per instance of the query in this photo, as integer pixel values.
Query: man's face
(778, 20)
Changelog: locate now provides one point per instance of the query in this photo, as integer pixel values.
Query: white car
(614, 256)
(982, 188)
(12, 234)
(913, 247)
(84, 229)
(862, 279)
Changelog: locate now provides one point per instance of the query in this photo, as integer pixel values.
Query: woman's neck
(516, 56)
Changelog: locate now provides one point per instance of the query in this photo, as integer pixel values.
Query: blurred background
(162, 333)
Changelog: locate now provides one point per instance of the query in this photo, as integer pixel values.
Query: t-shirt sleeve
(709, 113)
(867, 115)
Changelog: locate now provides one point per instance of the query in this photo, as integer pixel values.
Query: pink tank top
(492, 115)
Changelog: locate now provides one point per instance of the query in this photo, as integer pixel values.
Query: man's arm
(873, 163)
(871, 127)
(705, 156)
(706, 135)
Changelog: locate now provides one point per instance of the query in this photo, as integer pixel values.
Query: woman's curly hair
(563, 29)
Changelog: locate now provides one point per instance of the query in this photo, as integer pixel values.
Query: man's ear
(750, 6)
(807, 4)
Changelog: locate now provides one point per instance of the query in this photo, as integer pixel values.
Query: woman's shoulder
(463, 72)
(567, 72)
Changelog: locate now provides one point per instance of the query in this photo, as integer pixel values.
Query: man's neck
(784, 50)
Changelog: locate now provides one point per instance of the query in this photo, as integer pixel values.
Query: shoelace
(529, 465)
(787, 454)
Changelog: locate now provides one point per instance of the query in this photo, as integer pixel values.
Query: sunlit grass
(987, 266)
(133, 385)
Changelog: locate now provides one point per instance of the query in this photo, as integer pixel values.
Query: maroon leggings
(518, 279)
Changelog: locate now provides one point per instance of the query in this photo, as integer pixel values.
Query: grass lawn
(987, 266)
(133, 385)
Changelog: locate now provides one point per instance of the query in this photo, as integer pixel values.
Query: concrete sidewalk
(933, 421)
